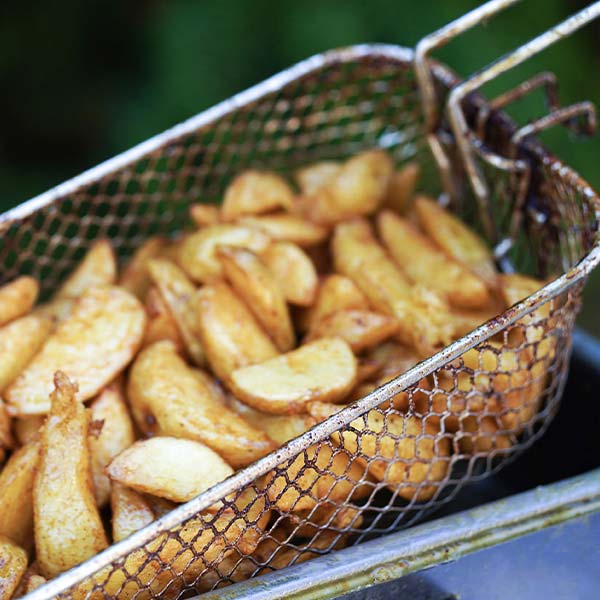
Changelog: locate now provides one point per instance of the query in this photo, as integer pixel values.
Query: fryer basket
(464, 412)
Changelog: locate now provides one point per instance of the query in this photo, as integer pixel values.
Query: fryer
(540, 217)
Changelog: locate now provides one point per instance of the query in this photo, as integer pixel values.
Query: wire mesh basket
(411, 444)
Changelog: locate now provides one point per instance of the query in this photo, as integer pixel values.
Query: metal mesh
(384, 465)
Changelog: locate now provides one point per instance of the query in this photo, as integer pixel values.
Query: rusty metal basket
(488, 396)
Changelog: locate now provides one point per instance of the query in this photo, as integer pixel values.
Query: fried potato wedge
(294, 271)
(456, 239)
(205, 214)
(168, 467)
(109, 411)
(30, 581)
(20, 341)
(417, 256)
(481, 435)
(134, 277)
(327, 516)
(315, 176)
(130, 511)
(168, 398)
(399, 196)
(17, 298)
(13, 564)
(178, 293)
(360, 328)
(92, 346)
(196, 253)
(27, 429)
(284, 227)
(6, 437)
(161, 323)
(251, 279)
(16, 495)
(256, 192)
(68, 527)
(229, 333)
(322, 370)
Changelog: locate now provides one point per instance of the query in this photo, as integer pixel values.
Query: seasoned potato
(92, 346)
(360, 328)
(68, 528)
(428, 266)
(134, 277)
(400, 192)
(168, 467)
(204, 214)
(294, 272)
(16, 494)
(178, 293)
(161, 323)
(196, 254)
(168, 398)
(258, 287)
(287, 228)
(230, 335)
(130, 511)
(17, 298)
(321, 370)
(20, 341)
(13, 563)
(27, 429)
(315, 176)
(109, 411)
(255, 192)
(456, 239)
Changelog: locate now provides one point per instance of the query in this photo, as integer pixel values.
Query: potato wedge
(178, 293)
(252, 281)
(168, 398)
(481, 435)
(284, 227)
(57, 309)
(327, 516)
(196, 254)
(27, 429)
(456, 239)
(134, 277)
(16, 495)
(6, 437)
(17, 298)
(360, 328)
(20, 341)
(256, 192)
(92, 346)
(322, 370)
(130, 511)
(13, 564)
(315, 176)
(399, 196)
(30, 581)
(109, 411)
(230, 335)
(68, 528)
(161, 323)
(205, 214)
(294, 272)
(168, 467)
(428, 266)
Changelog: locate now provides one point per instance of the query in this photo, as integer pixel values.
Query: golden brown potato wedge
(168, 398)
(417, 256)
(315, 176)
(16, 495)
(481, 435)
(360, 328)
(109, 412)
(92, 346)
(196, 253)
(13, 564)
(20, 341)
(57, 309)
(161, 323)
(6, 437)
(178, 293)
(284, 227)
(400, 192)
(456, 239)
(30, 581)
(134, 277)
(204, 214)
(230, 335)
(294, 272)
(168, 467)
(257, 286)
(322, 370)
(327, 516)
(27, 429)
(256, 192)
(17, 298)
(68, 528)
(130, 511)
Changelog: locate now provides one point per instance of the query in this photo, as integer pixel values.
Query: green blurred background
(82, 81)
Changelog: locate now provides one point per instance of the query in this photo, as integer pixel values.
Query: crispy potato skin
(161, 323)
(134, 277)
(13, 564)
(68, 528)
(168, 398)
(402, 185)
(17, 298)
(27, 429)
(93, 345)
(130, 511)
(287, 228)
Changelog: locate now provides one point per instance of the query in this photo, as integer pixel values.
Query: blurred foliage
(83, 81)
